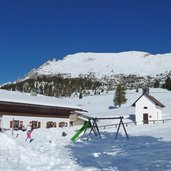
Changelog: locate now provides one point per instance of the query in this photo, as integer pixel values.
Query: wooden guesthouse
(19, 114)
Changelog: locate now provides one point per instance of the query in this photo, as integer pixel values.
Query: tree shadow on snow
(138, 153)
(112, 107)
(132, 117)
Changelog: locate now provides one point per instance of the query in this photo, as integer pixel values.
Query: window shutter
(54, 124)
(21, 124)
(10, 124)
(39, 124)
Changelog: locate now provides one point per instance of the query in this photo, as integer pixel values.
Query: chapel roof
(151, 98)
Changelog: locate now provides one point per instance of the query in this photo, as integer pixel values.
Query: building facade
(22, 115)
(147, 109)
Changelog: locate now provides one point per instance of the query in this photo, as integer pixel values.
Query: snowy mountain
(83, 74)
(106, 64)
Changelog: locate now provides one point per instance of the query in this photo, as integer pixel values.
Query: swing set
(91, 124)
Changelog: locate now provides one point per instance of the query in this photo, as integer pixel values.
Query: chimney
(145, 90)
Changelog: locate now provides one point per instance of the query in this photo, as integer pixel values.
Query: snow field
(148, 146)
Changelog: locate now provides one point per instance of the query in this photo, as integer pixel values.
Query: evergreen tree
(167, 84)
(119, 97)
(57, 86)
(81, 95)
(156, 84)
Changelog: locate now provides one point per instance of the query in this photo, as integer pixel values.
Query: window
(15, 124)
(35, 124)
(51, 124)
(63, 124)
(145, 107)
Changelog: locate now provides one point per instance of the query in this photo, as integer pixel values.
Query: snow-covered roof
(26, 98)
(151, 98)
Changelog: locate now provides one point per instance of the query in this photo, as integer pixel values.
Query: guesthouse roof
(26, 105)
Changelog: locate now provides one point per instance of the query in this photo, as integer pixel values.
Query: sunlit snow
(148, 146)
(100, 64)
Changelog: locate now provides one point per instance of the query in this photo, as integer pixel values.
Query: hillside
(83, 74)
(106, 64)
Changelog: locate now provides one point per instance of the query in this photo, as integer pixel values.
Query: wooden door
(145, 118)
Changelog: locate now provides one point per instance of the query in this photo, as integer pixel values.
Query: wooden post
(12, 126)
(121, 123)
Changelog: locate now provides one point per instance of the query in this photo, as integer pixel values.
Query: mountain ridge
(106, 64)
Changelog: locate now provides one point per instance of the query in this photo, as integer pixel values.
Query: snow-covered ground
(148, 146)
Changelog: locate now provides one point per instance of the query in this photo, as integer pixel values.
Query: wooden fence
(133, 123)
(157, 121)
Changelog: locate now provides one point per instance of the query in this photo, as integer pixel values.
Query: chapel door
(145, 118)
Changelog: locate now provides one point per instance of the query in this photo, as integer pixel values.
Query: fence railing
(126, 124)
(116, 125)
(156, 121)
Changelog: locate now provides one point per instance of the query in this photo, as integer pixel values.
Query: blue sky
(34, 31)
